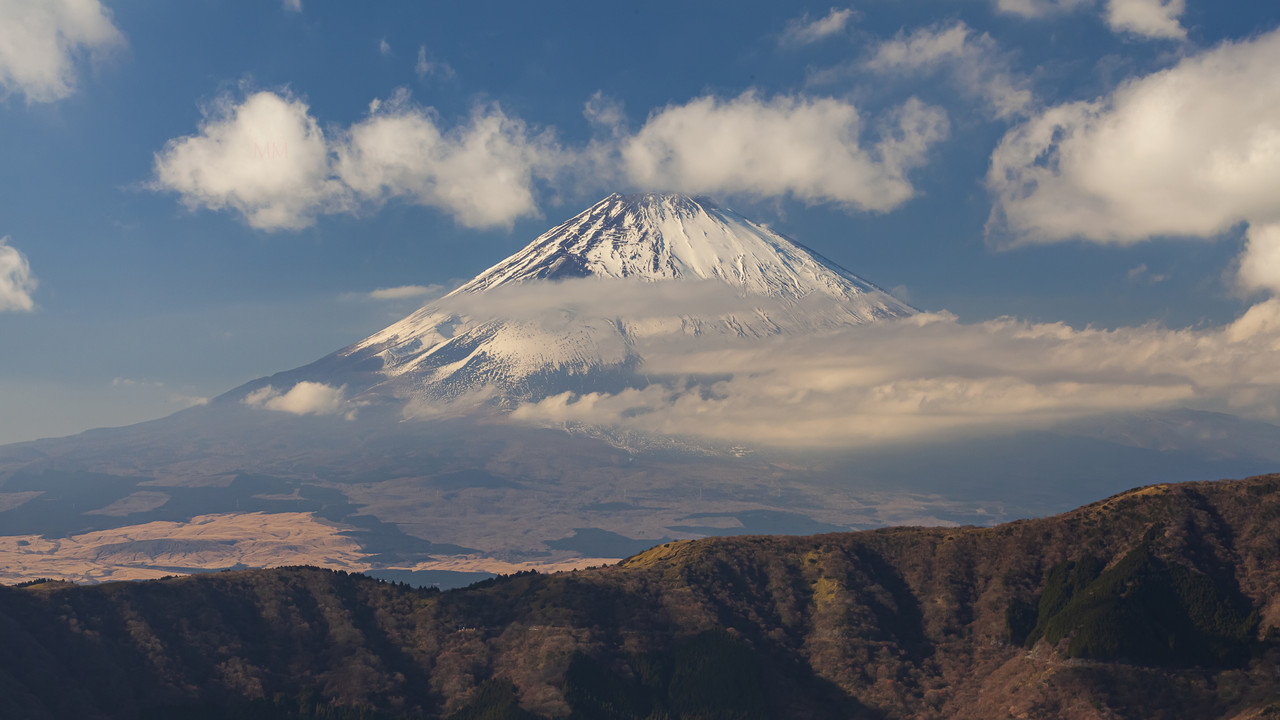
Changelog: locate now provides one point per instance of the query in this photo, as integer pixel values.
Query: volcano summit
(573, 310)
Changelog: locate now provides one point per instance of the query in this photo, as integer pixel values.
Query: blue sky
(152, 258)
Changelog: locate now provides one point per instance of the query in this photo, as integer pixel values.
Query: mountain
(572, 310)
(655, 237)
(361, 461)
(404, 454)
(1162, 602)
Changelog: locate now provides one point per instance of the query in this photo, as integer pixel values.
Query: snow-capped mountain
(365, 455)
(655, 237)
(569, 311)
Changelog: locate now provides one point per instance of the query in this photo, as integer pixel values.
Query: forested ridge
(1163, 602)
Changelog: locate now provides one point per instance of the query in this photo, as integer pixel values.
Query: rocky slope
(1163, 602)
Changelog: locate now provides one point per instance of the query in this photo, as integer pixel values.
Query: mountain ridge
(1160, 602)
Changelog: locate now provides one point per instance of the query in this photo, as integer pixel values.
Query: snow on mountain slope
(568, 311)
(656, 237)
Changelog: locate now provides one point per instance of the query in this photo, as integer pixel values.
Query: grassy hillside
(1163, 602)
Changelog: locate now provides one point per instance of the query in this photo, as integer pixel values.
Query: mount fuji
(573, 310)
(406, 453)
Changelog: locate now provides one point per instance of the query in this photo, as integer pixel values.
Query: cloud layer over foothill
(932, 377)
(811, 379)
(304, 398)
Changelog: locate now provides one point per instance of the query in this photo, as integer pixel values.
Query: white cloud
(304, 398)
(265, 158)
(1039, 8)
(1149, 18)
(931, 376)
(973, 59)
(41, 40)
(384, 47)
(1260, 262)
(1145, 18)
(405, 292)
(482, 172)
(810, 148)
(294, 5)
(804, 31)
(268, 159)
(1190, 151)
(432, 68)
(260, 396)
(16, 281)
(823, 383)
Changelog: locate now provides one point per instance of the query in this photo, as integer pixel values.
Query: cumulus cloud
(973, 59)
(1190, 151)
(810, 148)
(294, 5)
(384, 47)
(16, 281)
(304, 398)
(265, 157)
(481, 172)
(1260, 262)
(805, 30)
(932, 376)
(40, 43)
(1148, 18)
(268, 159)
